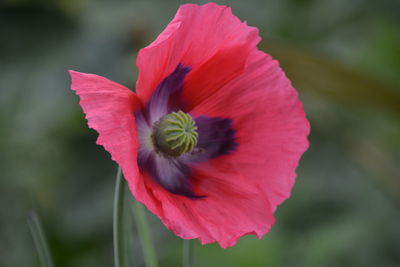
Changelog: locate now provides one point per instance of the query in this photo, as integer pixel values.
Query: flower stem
(187, 253)
(39, 239)
(144, 234)
(119, 259)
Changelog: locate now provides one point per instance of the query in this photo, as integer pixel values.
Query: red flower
(211, 140)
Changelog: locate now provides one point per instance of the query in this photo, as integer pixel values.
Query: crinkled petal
(216, 72)
(243, 188)
(230, 209)
(192, 38)
(270, 122)
(230, 79)
(109, 109)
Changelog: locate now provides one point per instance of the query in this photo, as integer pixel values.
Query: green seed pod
(175, 134)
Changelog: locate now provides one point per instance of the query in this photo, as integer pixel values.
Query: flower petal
(216, 72)
(109, 109)
(194, 36)
(232, 208)
(270, 122)
(243, 188)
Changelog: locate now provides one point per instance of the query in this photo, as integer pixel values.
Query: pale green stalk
(118, 220)
(144, 234)
(187, 253)
(39, 239)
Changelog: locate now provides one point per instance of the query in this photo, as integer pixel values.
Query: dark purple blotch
(171, 173)
(166, 97)
(216, 137)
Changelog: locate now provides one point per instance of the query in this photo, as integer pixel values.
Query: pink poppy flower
(211, 139)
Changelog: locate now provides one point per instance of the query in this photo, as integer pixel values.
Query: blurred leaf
(315, 74)
(144, 233)
(40, 240)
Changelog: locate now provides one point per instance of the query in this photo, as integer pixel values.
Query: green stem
(144, 234)
(119, 259)
(39, 239)
(187, 253)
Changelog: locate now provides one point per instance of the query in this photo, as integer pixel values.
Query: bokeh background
(343, 57)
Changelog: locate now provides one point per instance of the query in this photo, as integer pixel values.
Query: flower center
(175, 134)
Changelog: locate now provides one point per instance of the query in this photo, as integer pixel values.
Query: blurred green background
(343, 57)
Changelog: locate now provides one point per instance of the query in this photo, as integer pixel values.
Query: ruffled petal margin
(193, 37)
(244, 188)
(109, 109)
(271, 126)
(230, 79)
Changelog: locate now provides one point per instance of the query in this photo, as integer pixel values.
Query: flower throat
(175, 134)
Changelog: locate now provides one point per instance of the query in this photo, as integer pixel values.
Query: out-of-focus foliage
(344, 58)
